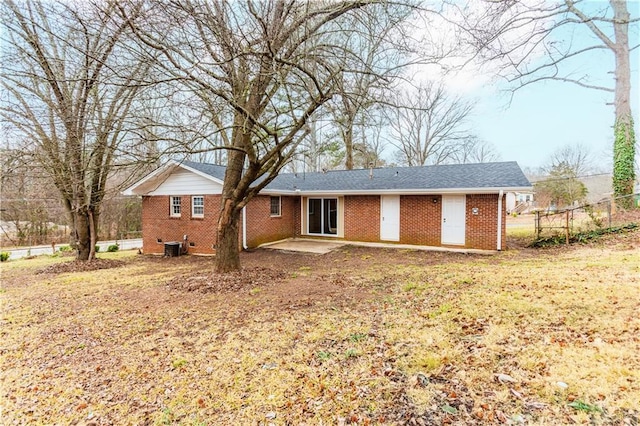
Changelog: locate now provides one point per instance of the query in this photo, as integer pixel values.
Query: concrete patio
(304, 245)
(308, 245)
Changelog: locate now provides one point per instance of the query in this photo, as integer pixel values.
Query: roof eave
(132, 190)
(426, 191)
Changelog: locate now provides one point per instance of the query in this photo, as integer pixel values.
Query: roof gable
(186, 182)
(180, 178)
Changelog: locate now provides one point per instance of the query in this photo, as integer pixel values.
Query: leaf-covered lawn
(358, 336)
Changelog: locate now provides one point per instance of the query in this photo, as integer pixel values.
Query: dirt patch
(283, 280)
(304, 292)
(81, 266)
(212, 282)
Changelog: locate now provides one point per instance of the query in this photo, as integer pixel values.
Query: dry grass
(424, 341)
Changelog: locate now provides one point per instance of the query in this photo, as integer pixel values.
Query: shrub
(112, 248)
(97, 248)
(64, 248)
(4, 256)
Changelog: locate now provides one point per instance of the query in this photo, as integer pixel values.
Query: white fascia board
(430, 191)
(157, 172)
(169, 166)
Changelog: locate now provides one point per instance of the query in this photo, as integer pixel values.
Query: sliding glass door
(322, 216)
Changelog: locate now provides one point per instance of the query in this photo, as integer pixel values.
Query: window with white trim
(175, 206)
(276, 203)
(197, 206)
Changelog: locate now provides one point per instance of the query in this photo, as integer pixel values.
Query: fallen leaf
(500, 416)
(518, 418)
(423, 380)
(449, 409)
(535, 405)
(505, 378)
(583, 406)
(201, 403)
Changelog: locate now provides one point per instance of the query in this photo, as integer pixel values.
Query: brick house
(459, 206)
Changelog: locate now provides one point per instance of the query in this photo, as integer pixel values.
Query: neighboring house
(599, 188)
(519, 202)
(447, 205)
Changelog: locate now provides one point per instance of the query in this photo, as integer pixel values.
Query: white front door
(390, 217)
(453, 219)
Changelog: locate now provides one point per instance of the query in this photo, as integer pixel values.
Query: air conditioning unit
(172, 249)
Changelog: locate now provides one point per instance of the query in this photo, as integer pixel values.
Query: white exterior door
(390, 217)
(453, 219)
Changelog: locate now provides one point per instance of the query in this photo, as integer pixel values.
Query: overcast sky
(542, 117)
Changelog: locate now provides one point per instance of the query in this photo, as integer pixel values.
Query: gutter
(244, 228)
(499, 245)
(430, 191)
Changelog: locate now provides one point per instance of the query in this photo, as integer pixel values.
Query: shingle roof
(210, 169)
(490, 176)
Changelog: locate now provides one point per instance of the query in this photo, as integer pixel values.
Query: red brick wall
(420, 219)
(157, 223)
(362, 218)
(263, 228)
(482, 229)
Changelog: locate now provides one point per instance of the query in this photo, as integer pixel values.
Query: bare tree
(575, 158)
(474, 150)
(70, 87)
(270, 65)
(521, 37)
(427, 124)
(320, 149)
(325, 147)
(561, 187)
(368, 153)
(28, 215)
(377, 64)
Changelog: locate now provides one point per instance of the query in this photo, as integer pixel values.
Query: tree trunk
(227, 250)
(93, 239)
(348, 143)
(624, 138)
(82, 235)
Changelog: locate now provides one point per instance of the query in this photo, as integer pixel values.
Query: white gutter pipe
(499, 246)
(244, 228)
(302, 218)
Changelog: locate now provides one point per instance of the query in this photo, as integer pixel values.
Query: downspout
(499, 248)
(302, 218)
(244, 228)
